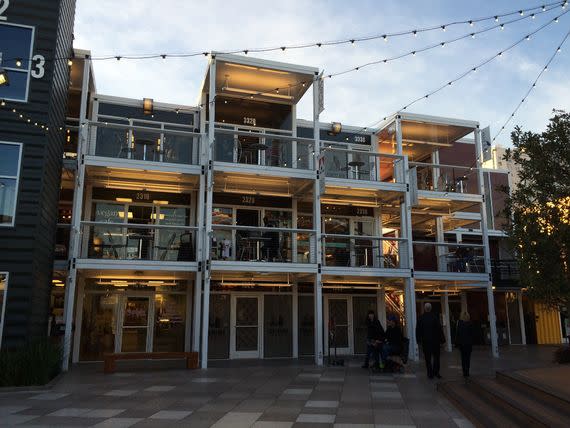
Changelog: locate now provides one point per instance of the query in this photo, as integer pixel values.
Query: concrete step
(539, 394)
(481, 411)
(522, 407)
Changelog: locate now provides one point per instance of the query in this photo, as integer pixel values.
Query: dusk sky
(358, 98)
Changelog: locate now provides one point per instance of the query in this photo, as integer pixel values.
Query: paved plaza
(253, 394)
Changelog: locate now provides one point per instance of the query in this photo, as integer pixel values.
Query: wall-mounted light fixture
(4, 80)
(148, 106)
(336, 128)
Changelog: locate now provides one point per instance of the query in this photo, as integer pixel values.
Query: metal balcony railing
(153, 142)
(449, 257)
(359, 251)
(122, 241)
(263, 147)
(360, 165)
(446, 178)
(263, 244)
(505, 271)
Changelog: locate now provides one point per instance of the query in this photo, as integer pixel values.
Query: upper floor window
(10, 157)
(16, 58)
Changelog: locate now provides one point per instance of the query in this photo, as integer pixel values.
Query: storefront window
(222, 238)
(98, 326)
(169, 322)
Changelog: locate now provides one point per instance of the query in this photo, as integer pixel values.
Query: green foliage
(540, 210)
(33, 364)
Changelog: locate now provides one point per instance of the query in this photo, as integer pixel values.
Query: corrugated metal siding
(548, 327)
(26, 251)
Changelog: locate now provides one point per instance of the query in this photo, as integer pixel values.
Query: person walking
(464, 341)
(429, 334)
(374, 338)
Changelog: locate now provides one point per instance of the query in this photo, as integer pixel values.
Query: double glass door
(136, 325)
(346, 327)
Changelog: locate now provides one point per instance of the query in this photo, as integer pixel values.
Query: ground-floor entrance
(114, 318)
(266, 325)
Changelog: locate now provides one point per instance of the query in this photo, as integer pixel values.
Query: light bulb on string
(415, 33)
(471, 23)
(385, 37)
(496, 19)
(443, 27)
(502, 26)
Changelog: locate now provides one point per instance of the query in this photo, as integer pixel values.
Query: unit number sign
(17, 56)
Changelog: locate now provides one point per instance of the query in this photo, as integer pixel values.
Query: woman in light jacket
(464, 341)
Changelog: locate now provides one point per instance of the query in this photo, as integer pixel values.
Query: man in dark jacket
(374, 338)
(429, 334)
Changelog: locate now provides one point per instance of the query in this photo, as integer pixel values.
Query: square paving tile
(49, 396)
(103, 413)
(175, 415)
(7, 410)
(237, 420)
(118, 423)
(9, 420)
(317, 403)
(272, 424)
(120, 392)
(316, 418)
(70, 412)
(160, 388)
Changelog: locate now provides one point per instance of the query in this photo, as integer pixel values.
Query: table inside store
(356, 165)
(250, 241)
(141, 237)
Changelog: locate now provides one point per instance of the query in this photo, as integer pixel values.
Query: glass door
(365, 251)
(360, 307)
(219, 327)
(278, 326)
(338, 326)
(135, 324)
(246, 331)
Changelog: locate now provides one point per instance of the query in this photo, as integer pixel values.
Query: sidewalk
(255, 393)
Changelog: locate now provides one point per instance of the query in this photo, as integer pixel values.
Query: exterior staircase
(508, 400)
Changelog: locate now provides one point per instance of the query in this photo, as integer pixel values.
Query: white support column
(447, 326)
(75, 232)
(295, 323)
(486, 252)
(381, 305)
(521, 316)
(317, 227)
(209, 185)
(439, 250)
(463, 297)
(407, 251)
(201, 257)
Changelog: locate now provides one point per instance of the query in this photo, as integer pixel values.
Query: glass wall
(98, 326)
(169, 322)
(278, 326)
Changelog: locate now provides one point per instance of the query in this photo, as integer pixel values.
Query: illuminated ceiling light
(123, 200)
(18, 62)
(160, 202)
(148, 105)
(69, 62)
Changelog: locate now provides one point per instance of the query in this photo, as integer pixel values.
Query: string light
(469, 71)
(532, 86)
(352, 40)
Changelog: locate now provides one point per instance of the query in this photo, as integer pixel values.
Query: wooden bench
(111, 358)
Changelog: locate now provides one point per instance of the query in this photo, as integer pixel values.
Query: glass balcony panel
(268, 244)
(364, 252)
(118, 139)
(449, 257)
(274, 148)
(138, 242)
(448, 179)
(365, 166)
(62, 236)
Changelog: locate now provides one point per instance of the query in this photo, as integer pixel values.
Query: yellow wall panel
(548, 328)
